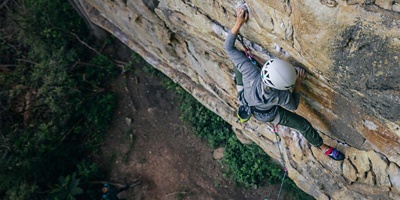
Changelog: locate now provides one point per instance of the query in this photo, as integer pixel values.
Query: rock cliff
(350, 49)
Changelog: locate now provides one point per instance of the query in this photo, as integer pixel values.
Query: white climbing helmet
(278, 74)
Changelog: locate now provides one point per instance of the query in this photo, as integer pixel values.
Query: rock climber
(268, 91)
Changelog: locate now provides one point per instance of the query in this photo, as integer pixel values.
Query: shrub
(248, 164)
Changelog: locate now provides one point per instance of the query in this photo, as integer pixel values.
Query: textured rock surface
(350, 49)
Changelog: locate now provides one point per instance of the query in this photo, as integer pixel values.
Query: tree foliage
(54, 102)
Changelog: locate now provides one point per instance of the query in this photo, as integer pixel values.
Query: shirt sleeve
(234, 54)
(288, 99)
(248, 70)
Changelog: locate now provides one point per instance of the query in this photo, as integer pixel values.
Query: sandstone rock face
(351, 95)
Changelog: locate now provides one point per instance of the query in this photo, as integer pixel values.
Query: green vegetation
(248, 165)
(54, 105)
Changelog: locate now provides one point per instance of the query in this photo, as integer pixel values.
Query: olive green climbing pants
(298, 122)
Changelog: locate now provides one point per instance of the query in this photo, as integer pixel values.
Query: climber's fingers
(242, 14)
(301, 73)
(246, 14)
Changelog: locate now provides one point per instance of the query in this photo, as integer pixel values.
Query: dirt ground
(147, 141)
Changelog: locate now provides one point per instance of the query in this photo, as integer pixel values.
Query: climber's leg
(297, 122)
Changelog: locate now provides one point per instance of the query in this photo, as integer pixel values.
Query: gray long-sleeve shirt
(254, 91)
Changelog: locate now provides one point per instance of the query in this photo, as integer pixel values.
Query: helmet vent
(270, 82)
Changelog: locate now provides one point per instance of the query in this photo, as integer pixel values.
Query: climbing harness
(278, 139)
(247, 51)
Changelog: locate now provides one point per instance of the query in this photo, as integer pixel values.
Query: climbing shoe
(334, 154)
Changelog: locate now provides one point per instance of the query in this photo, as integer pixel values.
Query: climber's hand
(301, 73)
(242, 15)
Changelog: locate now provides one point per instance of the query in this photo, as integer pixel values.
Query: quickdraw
(247, 51)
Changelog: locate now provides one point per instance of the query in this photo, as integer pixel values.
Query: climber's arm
(237, 57)
(291, 100)
(301, 74)
(287, 99)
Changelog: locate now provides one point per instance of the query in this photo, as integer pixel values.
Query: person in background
(110, 192)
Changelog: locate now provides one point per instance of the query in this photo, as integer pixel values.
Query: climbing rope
(250, 56)
(247, 51)
(282, 160)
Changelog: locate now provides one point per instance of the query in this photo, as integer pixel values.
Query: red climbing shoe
(334, 154)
